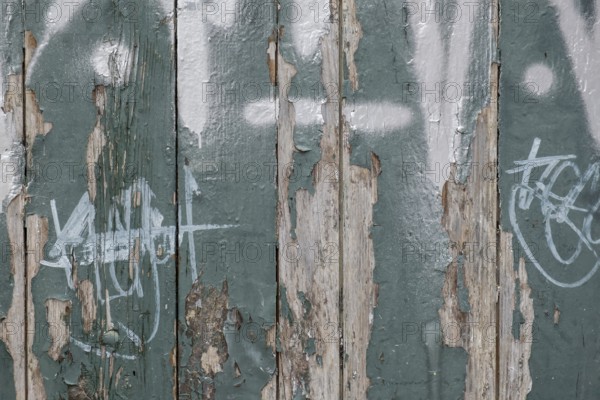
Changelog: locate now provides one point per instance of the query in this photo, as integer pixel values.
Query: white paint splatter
(539, 75)
(113, 62)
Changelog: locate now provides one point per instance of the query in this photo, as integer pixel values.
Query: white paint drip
(367, 117)
(308, 21)
(540, 76)
(192, 71)
(582, 45)
(437, 68)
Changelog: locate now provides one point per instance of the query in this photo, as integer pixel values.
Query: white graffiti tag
(149, 243)
(567, 214)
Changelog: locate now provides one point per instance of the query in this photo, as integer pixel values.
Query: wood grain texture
(277, 201)
(514, 375)
(13, 363)
(308, 211)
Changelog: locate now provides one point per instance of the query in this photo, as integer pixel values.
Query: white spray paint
(54, 25)
(380, 117)
(369, 117)
(308, 22)
(582, 46)
(11, 153)
(192, 70)
(194, 23)
(78, 240)
(557, 208)
(540, 76)
(113, 63)
(436, 68)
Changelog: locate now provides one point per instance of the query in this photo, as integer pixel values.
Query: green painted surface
(550, 105)
(228, 186)
(130, 43)
(406, 356)
(203, 292)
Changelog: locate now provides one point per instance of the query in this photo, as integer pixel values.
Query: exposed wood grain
(309, 285)
(360, 293)
(37, 236)
(359, 194)
(514, 352)
(89, 306)
(470, 215)
(57, 315)
(13, 330)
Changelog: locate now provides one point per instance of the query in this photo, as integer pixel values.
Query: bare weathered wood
(513, 353)
(308, 220)
(13, 358)
(463, 203)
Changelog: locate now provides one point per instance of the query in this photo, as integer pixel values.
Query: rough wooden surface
(298, 200)
(308, 223)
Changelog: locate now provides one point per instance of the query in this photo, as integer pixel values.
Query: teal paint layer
(230, 183)
(139, 132)
(563, 362)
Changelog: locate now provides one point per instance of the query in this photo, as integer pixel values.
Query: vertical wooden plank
(549, 130)
(419, 203)
(13, 362)
(227, 200)
(101, 212)
(308, 183)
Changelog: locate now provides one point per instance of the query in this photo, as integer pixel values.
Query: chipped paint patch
(352, 33)
(514, 376)
(462, 203)
(34, 120)
(57, 313)
(96, 140)
(310, 340)
(206, 310)
(37, 237)
(85, 293)
(12, 328)
(360, 292)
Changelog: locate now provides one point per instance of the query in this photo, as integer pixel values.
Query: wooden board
(227, 201)
(548, 150)
(101, 200)
(291, 200)
(13, 330)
